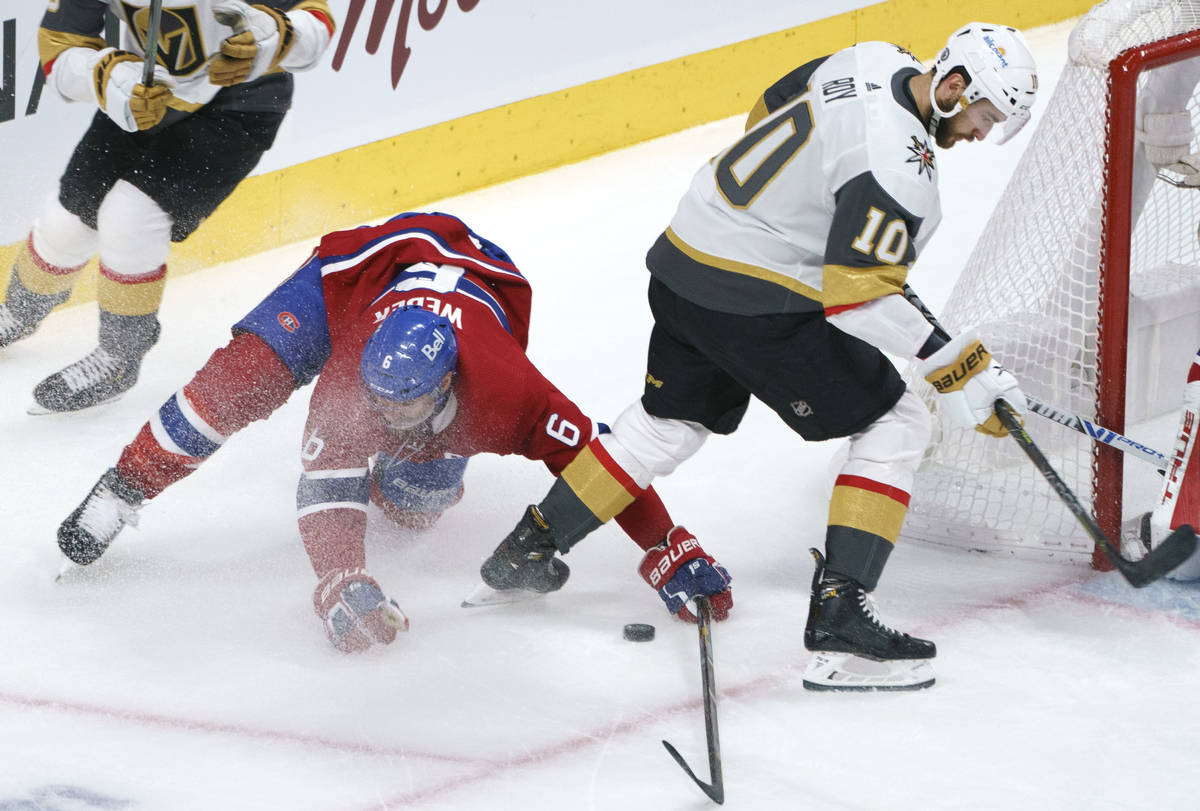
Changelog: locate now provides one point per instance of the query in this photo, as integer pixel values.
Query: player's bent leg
(867, 508)
(58, 247)
(134, 241)
(242, 382)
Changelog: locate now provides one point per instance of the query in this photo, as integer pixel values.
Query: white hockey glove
(970, 383)
(117, 83)
(355, 611)
(1167, 139)
(261, 40)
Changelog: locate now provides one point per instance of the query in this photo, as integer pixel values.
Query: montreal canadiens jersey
(823, 204)
(500, 402)
(188, 36)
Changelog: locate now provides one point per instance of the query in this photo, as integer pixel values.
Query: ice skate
(91, 528)
(854, 649)
(106, 373)
(23, 310)
(523, 566)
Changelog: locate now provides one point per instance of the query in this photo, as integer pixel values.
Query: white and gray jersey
(823, 204)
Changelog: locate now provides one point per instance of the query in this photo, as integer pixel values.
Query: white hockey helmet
(998, 66)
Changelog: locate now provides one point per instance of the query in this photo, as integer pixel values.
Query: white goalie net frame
(1044, 285)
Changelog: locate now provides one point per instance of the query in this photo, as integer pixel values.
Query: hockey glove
(970, 383)
(117, 83)
(261, 40)
(680, 570)
(1167, 140)
(355, 611)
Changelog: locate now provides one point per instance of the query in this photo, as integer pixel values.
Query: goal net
(1086, 285)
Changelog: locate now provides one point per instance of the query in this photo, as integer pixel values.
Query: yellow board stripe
(864, 510)
(346, 189)
(842, 284)
(743, 269)
(599, 491)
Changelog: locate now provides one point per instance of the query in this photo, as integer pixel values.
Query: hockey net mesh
(1032, 286)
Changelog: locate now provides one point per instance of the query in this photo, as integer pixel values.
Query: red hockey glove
(680, 570)
(355, 611)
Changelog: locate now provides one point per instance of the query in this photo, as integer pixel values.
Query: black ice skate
(523, 566)
(854, 649)
(23, 310)
(91, 528)
(106, 373)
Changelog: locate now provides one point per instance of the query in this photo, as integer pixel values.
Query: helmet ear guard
(997, 65)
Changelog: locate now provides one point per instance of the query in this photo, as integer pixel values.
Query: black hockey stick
(1073, 421)
(715, 790)
(1174, 550)
(152, 27)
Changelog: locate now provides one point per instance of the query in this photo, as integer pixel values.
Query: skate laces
(105, 513)
(867, 603)
(92, 369)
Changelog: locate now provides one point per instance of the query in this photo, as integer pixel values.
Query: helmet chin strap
(938, 112)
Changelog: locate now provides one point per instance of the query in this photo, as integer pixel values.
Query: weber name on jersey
(823, 204)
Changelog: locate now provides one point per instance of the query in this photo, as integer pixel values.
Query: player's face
(973, 123)
(404, 415)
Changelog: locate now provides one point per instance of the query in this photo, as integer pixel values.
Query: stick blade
(1162, 559)
(714, 793)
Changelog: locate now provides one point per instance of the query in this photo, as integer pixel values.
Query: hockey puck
(638, 632)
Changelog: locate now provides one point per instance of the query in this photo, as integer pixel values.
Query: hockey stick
(1174, 550)
(152, 42)
(1073, 421)
(715, 790)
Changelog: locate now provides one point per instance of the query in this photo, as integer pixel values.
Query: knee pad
(647, 446)
(134, 232)
(891, 448)
(60, 238)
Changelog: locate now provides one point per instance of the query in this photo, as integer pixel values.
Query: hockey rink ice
(187, 670)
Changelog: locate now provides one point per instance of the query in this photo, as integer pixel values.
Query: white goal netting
(1037, 289)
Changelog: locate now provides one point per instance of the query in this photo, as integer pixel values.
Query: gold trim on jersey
(744, 269)
(842, 284)
(866, 511)
(176, 103)
(599, 491)
(757, 113)
(51, 44)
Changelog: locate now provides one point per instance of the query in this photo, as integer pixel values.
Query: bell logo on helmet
(430, 350)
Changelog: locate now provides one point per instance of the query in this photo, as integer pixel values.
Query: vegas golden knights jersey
(822, 205)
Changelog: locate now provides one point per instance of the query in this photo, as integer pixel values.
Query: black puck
(638, 632)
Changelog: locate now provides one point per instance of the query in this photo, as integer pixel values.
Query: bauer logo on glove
(680, 571)
(970, 382)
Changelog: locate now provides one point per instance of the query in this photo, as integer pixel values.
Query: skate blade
(847, 672)
(485, 595)
(66, 568)
(39, 410)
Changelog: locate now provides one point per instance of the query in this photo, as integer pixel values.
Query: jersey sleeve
(868, 253)
(335, 487)
(70, 40)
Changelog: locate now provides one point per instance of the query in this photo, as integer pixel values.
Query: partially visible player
(415, 331)
(154, 163)
(781, 277)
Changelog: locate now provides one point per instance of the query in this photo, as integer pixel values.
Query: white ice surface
(186, 669)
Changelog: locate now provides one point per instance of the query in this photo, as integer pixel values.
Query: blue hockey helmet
(407, 365)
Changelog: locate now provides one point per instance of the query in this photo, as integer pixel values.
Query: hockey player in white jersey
(781, 276)
(156, 160)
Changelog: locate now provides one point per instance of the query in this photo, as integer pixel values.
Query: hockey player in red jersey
(156, 161)
(781, 276)
(415, 331)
